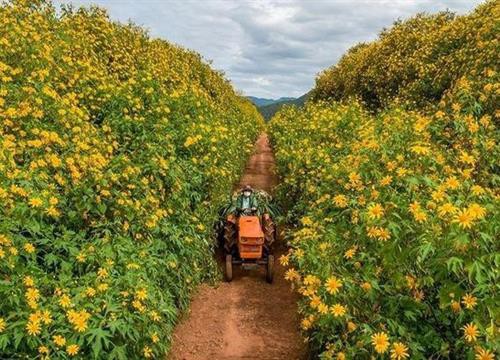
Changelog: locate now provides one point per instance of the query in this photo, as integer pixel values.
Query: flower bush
(394, 215)
(417, 61)
(116, 150)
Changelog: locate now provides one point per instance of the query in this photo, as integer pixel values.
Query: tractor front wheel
(270, 269)
(229, 268)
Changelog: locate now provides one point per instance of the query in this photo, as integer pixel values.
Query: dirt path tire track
(247, 318)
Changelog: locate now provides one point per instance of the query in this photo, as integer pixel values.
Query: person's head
(247, 191)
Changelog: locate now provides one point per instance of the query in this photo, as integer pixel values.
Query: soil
(247, 318)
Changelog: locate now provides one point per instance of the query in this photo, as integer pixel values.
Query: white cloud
(270, 48)
(261, 81)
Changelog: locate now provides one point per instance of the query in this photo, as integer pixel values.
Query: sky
(270, 48)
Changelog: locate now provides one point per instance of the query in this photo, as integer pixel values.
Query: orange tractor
(247, 243)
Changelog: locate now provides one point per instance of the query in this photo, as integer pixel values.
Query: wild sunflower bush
(395, 220)
(415, 62)
(116, 150)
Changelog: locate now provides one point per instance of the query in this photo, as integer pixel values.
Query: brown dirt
(247, 318)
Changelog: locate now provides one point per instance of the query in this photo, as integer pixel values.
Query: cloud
(270, 48)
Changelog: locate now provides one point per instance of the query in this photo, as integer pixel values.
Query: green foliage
(116, 150)
(394, 216)
(417, 61)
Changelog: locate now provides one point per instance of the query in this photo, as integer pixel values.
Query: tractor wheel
(229, 268)
(229, 236)
(270, 269)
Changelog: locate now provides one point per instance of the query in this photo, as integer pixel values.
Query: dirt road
(247, 318)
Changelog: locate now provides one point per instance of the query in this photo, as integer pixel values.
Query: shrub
(394, 215)
(396, 233)
(116, 150)
(416, 61)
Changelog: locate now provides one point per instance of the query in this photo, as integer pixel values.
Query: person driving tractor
(247, 202)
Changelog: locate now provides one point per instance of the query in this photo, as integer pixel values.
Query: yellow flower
(372, 232)
(447, 208)
(102, 287)
(323, 308)
(467, 158)
(28, 281)
(469, 301)
(464, 219)
(482, 354)
(476, 211)
(155, 338)
(399, 351)
(375, 211)
(420, 216)
(455, 306)
(33, 327)
(35, 317)
(78, 319)
(340, 201)
(452, 183)
(29, 248)
(90, 292)
(65, 301)
(35, 202)
(315, 301)
(477, 190)
(438, 195)
(102, 273)
(46, 317)
(470, 332)
(380, 341)
(383, 234)
(13, 250)
(338, 310)
(138, 305)
(386, 180)
(72, 350)
(3, 324)
(52, 211)
(32, 294)
(147, 352)
(366, 286)
(59, 340)
(141, 294)
(333, 285)
(43, 350)
(284, 260)
(418, 295)
(305, 324)
(80, 257)
(154, 316)
(349, 254)
(351, 326)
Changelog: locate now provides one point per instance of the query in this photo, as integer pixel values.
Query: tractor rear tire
(229, 236)
(270, 269)
(229, 268)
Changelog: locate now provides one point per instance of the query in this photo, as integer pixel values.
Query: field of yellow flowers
(116, 150)
(393, 195)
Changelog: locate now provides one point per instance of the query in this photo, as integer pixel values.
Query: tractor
(247, 238)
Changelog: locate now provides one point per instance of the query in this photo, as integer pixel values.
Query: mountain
(260, 101)
(269, 110)
(263, 101)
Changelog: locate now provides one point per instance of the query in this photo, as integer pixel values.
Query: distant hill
(260, 101)
(269, 110)
(264, 102)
